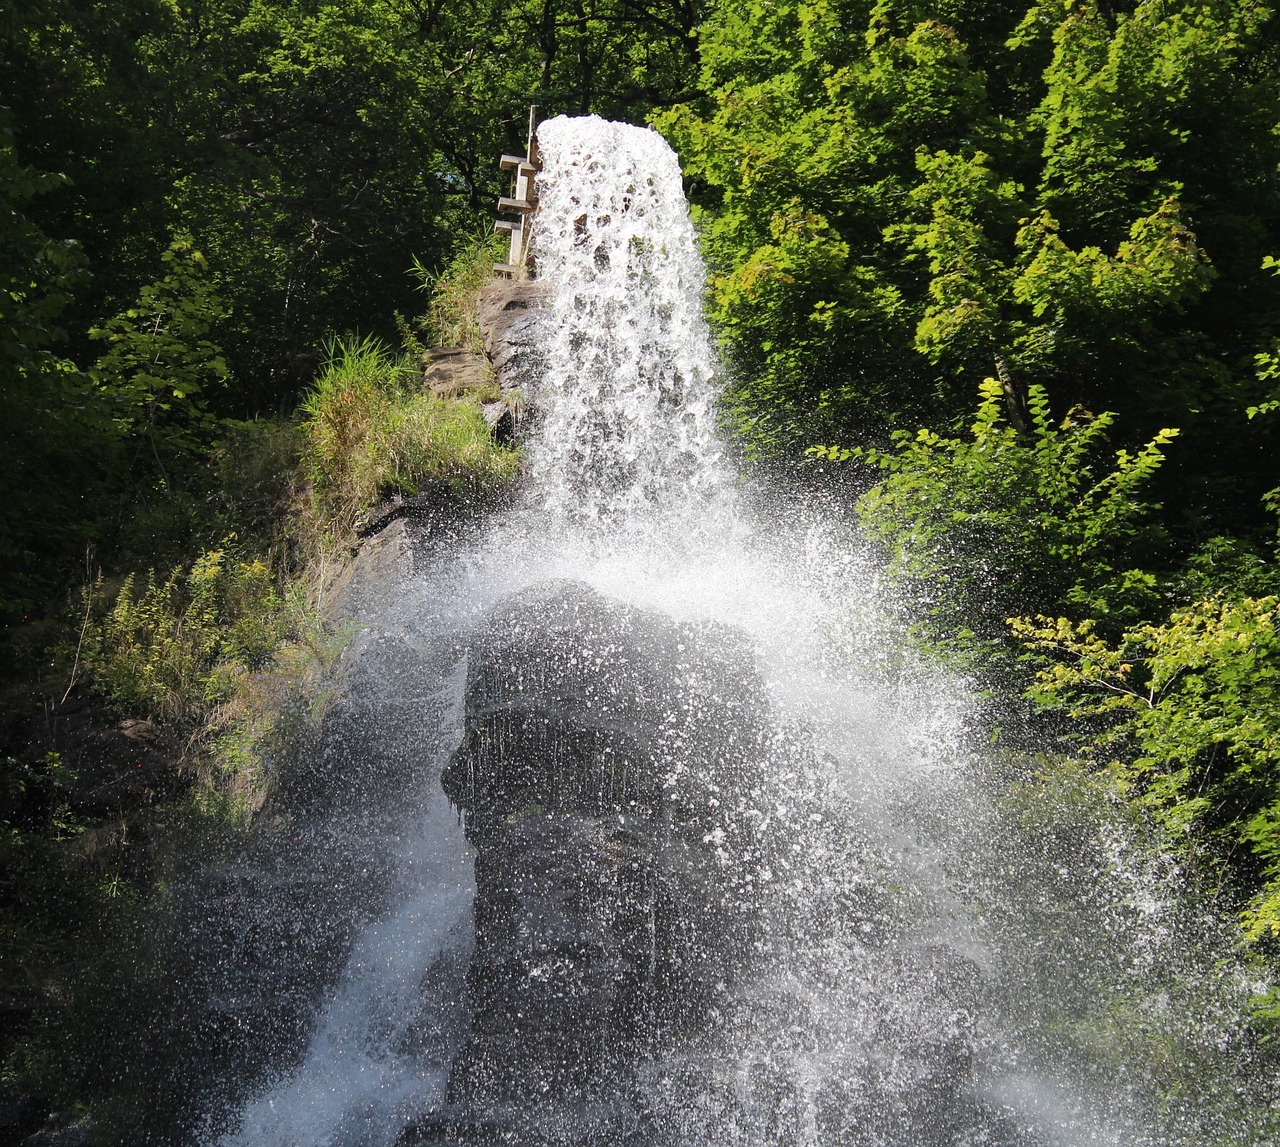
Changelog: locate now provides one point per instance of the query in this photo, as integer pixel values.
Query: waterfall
(629, 393)
(942, 950)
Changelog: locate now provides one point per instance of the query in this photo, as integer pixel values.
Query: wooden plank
(534, 157)
(522, 201)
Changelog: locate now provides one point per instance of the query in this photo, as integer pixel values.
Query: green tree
(158, 359)
(316, 149)
(54, 434)
(901, 198)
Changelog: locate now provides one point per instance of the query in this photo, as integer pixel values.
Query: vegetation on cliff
(146, 716)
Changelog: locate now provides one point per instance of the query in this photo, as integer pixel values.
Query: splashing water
(949, 951)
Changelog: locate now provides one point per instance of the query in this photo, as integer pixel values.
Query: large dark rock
(580, 704)
(607, 772)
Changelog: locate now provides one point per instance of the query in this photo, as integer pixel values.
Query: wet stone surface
(604, 752)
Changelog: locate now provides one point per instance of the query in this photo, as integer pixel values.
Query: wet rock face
(588, 706)
(608, 760)
(511, 317)
(256, 939)
(624, 988)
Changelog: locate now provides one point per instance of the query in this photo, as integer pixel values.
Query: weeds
(163, 646)
(451, 315)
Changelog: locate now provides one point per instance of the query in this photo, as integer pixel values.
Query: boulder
(607, 766)
(454, 371)
(578, 703)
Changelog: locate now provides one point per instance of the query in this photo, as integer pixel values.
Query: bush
(1187, 719)
(163, 649)
(221, 654)
(1000, 523)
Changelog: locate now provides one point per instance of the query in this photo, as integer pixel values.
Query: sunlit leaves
(159, 359)
(975, 525)
(1065, 194)
(1188, 718)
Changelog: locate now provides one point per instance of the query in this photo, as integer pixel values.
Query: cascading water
(628, 403)
(930, 949)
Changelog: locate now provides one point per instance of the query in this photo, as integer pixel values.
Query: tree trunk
(1015, 398)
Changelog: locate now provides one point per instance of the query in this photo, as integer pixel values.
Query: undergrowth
(374, 430)
(215, 653)
(451, 315)
(220, 652)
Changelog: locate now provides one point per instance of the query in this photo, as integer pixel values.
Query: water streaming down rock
(737, 878)
(628, 398)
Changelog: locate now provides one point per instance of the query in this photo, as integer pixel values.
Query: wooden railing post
(522, 203)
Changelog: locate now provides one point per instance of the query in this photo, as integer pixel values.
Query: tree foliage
(981, 527)
(1068, 206)
(1188, 720)
(158, 359)
(903, 197)
(311, 150)
(54, 432)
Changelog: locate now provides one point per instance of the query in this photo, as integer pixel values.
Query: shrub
(1187, 718)
(1000, 523)
(163, 648)
(221, 654)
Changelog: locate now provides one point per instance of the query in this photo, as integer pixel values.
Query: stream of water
(949, 951)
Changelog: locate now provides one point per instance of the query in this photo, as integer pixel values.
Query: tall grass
(451, 315)
(373, 430)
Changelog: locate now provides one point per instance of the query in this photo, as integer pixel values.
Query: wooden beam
(522, 202)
